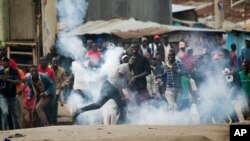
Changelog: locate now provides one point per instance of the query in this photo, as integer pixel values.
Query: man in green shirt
(245, 80)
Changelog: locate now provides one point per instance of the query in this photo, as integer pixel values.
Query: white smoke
(90, 80)
(214, 105)
(71, 14)
(214, 97)
(217, 96)
(150, 114)
(112, 60)
(71, 47)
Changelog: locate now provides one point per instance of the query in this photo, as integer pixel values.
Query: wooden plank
(21, 53)
(8, 52)
(34, 56)
(32, 44)
(13, 45)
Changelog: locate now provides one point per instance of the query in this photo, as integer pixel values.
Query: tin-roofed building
(144, 10)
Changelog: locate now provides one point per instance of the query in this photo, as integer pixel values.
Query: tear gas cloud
(71, 47)
(71, 13)
(89, 81)
(217, 100)
(214, 95)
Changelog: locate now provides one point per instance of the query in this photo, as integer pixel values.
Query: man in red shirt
(3, 52)
(51, 110)
(94, 56)
(43, 68)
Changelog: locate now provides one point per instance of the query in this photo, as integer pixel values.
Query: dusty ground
(123, 133)
(118, 132)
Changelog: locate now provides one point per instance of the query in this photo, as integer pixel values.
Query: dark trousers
(108, 91)
(9, 108)
(50, 110)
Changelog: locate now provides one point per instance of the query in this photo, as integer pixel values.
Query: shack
(237, 37)
(144, 10)
(184, 12)
(28, 28)
(120, 29)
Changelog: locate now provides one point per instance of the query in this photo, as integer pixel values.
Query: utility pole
(218, 13)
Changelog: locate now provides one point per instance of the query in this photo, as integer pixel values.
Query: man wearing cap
(124, 59)
(111, 88)
(100, 45)
(245, 53)
(3, 53)
(9, 78)
(145, 50)
(153, 46)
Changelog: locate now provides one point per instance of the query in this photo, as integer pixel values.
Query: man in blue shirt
(174, 70)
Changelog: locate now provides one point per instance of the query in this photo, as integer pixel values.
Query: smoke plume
(215, 102)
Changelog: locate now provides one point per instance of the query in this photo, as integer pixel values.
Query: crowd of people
(176, 76)
(147, 71)
(28, 98)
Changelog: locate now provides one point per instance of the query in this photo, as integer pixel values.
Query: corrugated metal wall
(21, 20)
(144, 10)
(106, 9)
(49, 24)
(198, 41)
(239, 40)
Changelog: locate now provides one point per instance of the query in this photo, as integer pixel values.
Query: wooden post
(38, 30)
(1, 20)
(218, 13)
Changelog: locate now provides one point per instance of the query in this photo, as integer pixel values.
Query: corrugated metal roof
(191, 23)
(131, 28)
(241, 30)
(114, 25)
(180, 8)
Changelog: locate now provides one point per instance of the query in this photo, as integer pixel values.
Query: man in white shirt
(164, 50)
(182, 50)
(144, 49)
(154, 46)
(118, 81)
